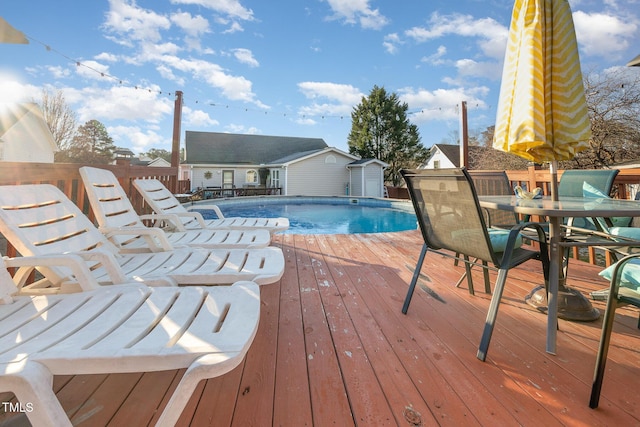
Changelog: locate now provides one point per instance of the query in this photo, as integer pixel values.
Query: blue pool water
(319, 215)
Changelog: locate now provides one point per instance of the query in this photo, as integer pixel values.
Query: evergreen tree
(91, 144)
(381, 129)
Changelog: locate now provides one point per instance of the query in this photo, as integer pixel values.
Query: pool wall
(329, 200)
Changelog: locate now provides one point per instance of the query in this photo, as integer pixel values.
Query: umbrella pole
(553, 170)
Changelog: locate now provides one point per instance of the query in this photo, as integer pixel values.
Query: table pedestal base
(572, 305)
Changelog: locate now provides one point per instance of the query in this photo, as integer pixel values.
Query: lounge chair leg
(209, 366)
(492, 315)
(414, 279)
(32, 386)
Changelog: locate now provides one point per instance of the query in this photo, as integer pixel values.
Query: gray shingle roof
(229, 148)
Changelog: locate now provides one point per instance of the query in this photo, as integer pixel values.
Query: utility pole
(464, 136)
(175, 146)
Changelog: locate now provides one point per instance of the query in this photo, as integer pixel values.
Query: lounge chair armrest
(74, 262)
(108, 261)
(156, 238)
(171, 221)
(195, 215)
(214, 208)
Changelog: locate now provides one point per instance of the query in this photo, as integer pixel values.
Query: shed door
(372, 188)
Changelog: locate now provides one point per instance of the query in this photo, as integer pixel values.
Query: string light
(226, 106)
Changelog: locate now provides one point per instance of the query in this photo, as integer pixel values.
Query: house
(126, 154)
(443, 156)
(298, 166)
(24, 134)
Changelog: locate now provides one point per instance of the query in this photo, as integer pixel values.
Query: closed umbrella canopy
(542, 112)
(8, 34)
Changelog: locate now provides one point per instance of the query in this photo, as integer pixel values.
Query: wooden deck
(334, 349)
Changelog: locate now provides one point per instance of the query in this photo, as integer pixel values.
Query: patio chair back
(494, 183)
(572, 185)
(572, 181)
(448, 212)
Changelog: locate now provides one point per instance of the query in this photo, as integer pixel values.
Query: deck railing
(67, 178)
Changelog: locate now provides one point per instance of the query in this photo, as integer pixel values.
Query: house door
(227, 181)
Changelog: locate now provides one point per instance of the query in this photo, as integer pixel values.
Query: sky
(286, 67)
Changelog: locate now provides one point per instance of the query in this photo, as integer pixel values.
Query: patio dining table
(556, 211)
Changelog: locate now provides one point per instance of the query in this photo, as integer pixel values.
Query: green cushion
(590, 191)
(629, 232)
(630, 277)
(499, 239)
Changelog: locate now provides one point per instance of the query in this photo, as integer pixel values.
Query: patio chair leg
(492, 314)
(414, 279)
(467, 268)
(487, 283)
(603, 350)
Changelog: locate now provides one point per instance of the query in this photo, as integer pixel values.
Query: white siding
(28, 140)
(316, 177)
(440, 159)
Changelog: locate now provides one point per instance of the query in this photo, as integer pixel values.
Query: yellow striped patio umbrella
(542, 113)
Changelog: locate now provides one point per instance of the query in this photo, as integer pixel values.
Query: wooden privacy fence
(66, 177)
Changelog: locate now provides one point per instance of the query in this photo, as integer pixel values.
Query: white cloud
(341, 100)
(391, 42)
(194, 26)
(236, 128)
(58, 72)
(92, 70)
(12, 89)
(436, 58)
(197, 118)
(606, 35)
(137, 139)
(232, 8)
(491, 35)
(245, 56)
(235, 88)
(485, 69)
(132, 23)
(345, 94)
(119, 103)
(357, 12)
(441, 104)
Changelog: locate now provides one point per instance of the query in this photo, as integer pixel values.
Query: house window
(275, 178)
(436, 164)
(251, 177)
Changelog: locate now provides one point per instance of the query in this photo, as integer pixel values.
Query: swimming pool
(323, 215)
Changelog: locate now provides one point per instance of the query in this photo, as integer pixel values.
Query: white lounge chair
(128, 328)
(40, 220)
(162, 201)
(120, 222)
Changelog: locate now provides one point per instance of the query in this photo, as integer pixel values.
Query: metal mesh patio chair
(491, 183)
(625, 281)
(451, 219)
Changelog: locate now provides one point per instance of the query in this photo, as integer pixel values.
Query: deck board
(333, 348)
